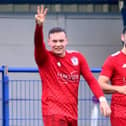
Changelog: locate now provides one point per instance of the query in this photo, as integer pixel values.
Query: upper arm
(103, 80)
(84, 68)
(107, 68)
(86, 72)
(106, 72)
(89, 77)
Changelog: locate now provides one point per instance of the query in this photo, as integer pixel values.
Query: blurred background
(93, 27)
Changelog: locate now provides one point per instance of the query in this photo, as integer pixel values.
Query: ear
(66, 40)
(48, 41)
(122, 37)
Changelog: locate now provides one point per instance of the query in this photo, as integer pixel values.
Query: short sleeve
(108, 67)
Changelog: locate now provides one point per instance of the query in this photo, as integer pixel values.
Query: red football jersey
(115, 68)
(60, 78)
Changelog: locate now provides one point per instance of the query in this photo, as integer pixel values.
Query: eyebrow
(60, 40)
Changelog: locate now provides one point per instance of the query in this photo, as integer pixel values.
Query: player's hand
(104, 107)
(41, 14)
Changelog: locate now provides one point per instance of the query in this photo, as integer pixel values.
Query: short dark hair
(124, 30)
(55, 30)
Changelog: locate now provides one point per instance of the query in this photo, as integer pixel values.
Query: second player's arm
(108, 88)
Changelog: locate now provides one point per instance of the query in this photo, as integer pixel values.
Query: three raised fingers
(40, 10)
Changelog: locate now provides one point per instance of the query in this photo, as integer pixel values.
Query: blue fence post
(5, 86)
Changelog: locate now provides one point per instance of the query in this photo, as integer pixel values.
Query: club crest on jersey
(74, 61)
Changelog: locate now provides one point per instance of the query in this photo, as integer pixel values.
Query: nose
(58, 43)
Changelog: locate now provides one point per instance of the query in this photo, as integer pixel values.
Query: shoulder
(115, 54)
(76, 55)
(74, 52)
(111, 59)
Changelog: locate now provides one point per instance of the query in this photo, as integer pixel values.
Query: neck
(61, 55)
(124, 49)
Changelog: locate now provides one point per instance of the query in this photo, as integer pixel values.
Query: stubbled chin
(60, 54)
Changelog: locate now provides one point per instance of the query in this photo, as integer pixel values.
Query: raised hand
(41, 14)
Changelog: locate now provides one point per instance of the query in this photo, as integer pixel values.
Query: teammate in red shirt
(114, 71)
(60, 72)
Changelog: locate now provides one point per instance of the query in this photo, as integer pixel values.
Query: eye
(54, 41)
(61, 40)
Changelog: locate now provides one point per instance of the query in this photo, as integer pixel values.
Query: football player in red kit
(60, 72)
(114, 71)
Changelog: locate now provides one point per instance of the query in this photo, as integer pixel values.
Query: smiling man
(57, 40)
(60, 72)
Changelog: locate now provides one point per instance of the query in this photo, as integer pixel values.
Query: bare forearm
(110, 89)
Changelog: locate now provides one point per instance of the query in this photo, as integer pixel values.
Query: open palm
(41, 14)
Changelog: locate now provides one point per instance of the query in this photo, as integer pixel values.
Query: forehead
(57, 35)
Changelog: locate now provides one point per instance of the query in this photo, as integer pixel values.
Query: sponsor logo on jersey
(74, 61)
(73, 77)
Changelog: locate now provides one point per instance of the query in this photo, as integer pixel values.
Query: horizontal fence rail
(21, 99)
(59, 1)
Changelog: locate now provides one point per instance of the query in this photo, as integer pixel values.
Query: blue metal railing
(26, 94)
(5, 96)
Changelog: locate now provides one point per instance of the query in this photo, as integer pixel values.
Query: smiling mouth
(58, 49)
